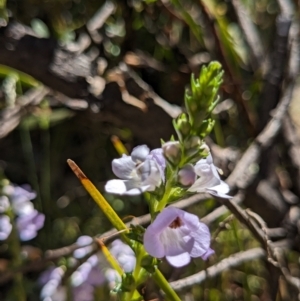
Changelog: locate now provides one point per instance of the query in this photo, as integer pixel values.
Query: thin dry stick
(215, 270)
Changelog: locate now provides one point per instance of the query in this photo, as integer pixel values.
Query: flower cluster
(90, 274)
(144, 171)
(174, 234)
(28, 220)
(140, 172)
(126, 259)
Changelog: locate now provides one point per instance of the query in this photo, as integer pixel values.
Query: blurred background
(73, 74)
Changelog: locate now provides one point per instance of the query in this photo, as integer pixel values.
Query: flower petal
(201, 240)
(208, 253)
(179, 260)
(220, 190)
(154, 178)
(139, 153)
(164, 219)
(176, 241)
(152, 243)
(125, 187)
(208, 175)
(123, 167)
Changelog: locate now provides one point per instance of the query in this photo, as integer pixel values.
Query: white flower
(209, 180)
(140, 172)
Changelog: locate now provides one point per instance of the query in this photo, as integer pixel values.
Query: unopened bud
(172, 151)
(183, 125)
(192, 142)
(187, 175)
(204, 150)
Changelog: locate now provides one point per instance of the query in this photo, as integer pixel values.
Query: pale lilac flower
(5, 227)
(209, 180)
(51, 282)
(4, 203)
(19, 194)
(124, 255)
(85, 242)
(29, 224)
(140, 172)
(28, 220)
(126, 259)
(187, 175)
(88, 272)
(178, 236)
(112, 277)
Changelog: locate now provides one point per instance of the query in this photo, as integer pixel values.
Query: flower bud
(204, 150)
(183, 125)
(172, 151)
(192, 142)
(187, 175)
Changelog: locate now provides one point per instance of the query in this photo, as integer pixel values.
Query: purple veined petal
(190, 220)
(201, 241)
(158, 156)
(176, 241)
(179, 260)
(208, 253)
(208, 175)
(140, 153)
(164, 219)
(5, 227)
(123, 167)
(154, 178)
(144, 169)
(152, 236)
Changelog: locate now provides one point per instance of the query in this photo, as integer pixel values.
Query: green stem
(29, 157)
(161, 281)
(164, 201)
